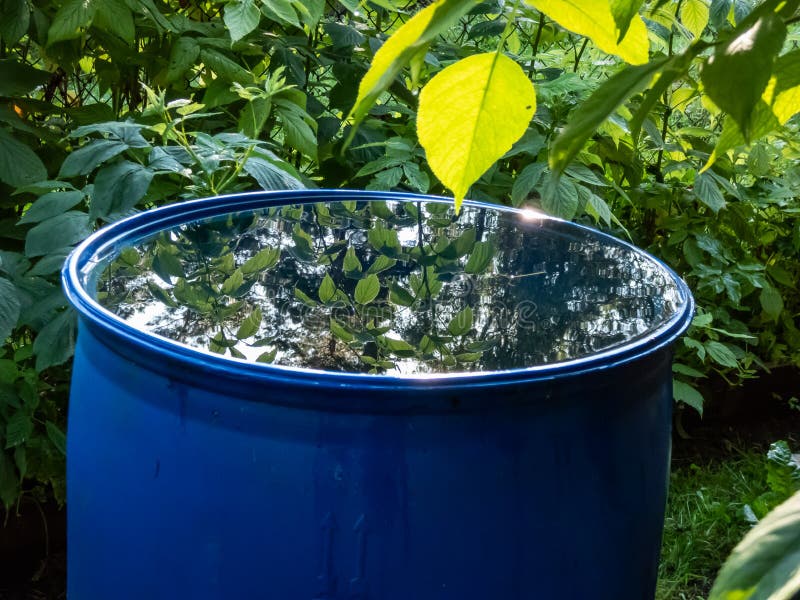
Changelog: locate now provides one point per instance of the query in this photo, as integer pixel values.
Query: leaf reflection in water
(389, 287)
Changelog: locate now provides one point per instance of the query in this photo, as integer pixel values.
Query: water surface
(389, 287)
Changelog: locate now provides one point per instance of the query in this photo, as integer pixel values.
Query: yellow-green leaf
(470, 114)
(694, 16)
(596, 21)
(779, 102)
(404, 44)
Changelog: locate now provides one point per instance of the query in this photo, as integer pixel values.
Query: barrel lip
(152, 348)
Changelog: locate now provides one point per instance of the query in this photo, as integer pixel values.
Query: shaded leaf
(9, 309)
(19, 165)
(57, 232)
(688, 394)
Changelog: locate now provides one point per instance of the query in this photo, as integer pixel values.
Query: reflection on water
(388, 287)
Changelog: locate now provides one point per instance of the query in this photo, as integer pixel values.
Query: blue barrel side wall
(532, 490)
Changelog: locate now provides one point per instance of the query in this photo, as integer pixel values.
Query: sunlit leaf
(596, 21)
(736, 75)
(694, 16)
(470, 114)
(405, 43)
(583, 123)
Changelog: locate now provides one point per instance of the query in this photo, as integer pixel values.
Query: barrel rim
(112, 238)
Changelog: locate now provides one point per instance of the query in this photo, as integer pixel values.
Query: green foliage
(710, 508)
(108, 107)
(764, 565)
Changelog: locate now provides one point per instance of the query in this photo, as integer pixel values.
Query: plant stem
(579, 54)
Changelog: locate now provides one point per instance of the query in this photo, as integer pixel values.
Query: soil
(33, 557)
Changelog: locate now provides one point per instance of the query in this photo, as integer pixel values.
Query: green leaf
(18, 429)
(304, 298)
(281, 11)
(55, 343)
(694, 16)
(409, 40)
(708, 192)
(351, 264)
(57, 437)
(343, 36)
(688, 394)
(399, 347)
(262, 260)
(254, 116)
(241, 17)
(461, 323)
(226, 68)
(9, 309)
(267, 357)
(49, 205)
(597, 108)
(271, 173)
(233, 282)
(399, 295)
(327, 289)
(340, 332)
(182, 56)
(736, 75)
(783, 471)
(771, 301)
(57, 232)
(526, 181)
(17, 78)
(118, 188)
(470, 114)
(721, 354)
(250, 325)
(85, 159)
(764, 564)
(560, 197)
(72, 19)
(479, 258)
(9, 481)
(596, 21)
(381, 263)
(367, 289)
(296, 129)
(624, 11)
(115, 17)
(19, 165)
(15, 17)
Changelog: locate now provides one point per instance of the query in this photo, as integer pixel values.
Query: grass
(705, 520)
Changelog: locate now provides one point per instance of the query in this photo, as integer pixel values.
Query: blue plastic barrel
(491, 422)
